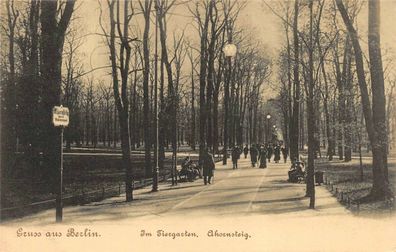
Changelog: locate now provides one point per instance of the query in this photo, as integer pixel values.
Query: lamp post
(267, 133)
(230, 51)
(273, 135)
(156, 168)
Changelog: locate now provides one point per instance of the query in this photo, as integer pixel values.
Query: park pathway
(270, 213)
(241, 192)
(250, 191)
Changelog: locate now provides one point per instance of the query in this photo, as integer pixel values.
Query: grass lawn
(85, 178)
(344, 180)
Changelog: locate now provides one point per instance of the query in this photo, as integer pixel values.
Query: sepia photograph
(198, 125)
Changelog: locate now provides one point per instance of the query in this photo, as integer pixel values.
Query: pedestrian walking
(277, 153)
(208, 167)
(253, 155)
(263, 157)
(235, 154)
(246, 151)
(284, 153)
(269, 152)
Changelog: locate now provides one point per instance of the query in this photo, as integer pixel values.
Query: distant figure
(246, 151)
(269, 152)
(253, 155)
(284, 153)
(277, 154)
(208, 167)
(263, 157)
(235, 154)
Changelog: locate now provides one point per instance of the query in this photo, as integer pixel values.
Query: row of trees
(32, 86)
(204, 98)
(323, 81)
(35, 35)
(215, 21)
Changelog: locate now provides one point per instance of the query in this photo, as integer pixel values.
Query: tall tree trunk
(348, 109)
(340, 128)
(9, 120)
(108, 123)
(380, 167)
(115, 131)
(192, 130)
(226, 110)
(126, 152)
(202, 83)
(162, 121)
(52, 40)
(172, 89)
(210, 78)
(146, 75)
(121, 99)
(325, 95)
(294, 130)
(380, 187)
(288, 108)
(134, 107)
(311, 118)
(216, 106)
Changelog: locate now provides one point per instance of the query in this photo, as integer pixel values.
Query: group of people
(264, 152)
(258, 153)
(190, 171)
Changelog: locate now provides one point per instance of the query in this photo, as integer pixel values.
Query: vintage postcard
(198, 125)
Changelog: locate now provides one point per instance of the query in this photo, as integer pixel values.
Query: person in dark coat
(235, 154)
(284, 153)
(208, 167)
(263, 157)
(253, 155)
(246, 151)
(269, 152)
(277, 154)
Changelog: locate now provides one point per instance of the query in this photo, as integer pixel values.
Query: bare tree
(72, 85)
(120, 68)
(294, 122)
(146, 9)
(193, 116)
(163, 8)
(375, 127)
(203, 26)
(380, 174)
(9, 106)
(52, 40)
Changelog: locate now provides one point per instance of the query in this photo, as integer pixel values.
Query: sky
(255, 17)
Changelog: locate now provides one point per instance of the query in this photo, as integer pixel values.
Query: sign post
(60, 118)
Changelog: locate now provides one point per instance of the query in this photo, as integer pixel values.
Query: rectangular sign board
(60, 116)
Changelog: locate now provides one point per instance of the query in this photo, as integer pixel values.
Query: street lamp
(274, 133)
(267, 133)
(230, 51)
